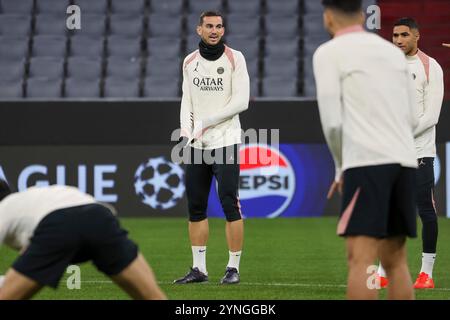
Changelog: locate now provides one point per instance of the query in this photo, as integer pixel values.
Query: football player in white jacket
(216, 88)
(428, 80)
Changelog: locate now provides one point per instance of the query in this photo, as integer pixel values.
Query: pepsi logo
(267, 181)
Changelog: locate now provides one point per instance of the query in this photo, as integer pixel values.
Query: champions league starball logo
(159, 183)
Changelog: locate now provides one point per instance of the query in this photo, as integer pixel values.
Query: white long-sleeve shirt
(20, 213)
(214, 93)
(366, 103)
(429, 85)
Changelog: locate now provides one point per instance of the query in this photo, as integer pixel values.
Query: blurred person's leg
(18, 287)
(362, 252)
(139, 281)
(392, 253)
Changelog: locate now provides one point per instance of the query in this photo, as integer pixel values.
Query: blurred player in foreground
(429, 84)
(216, 88)
(368, 123)
(56, 226)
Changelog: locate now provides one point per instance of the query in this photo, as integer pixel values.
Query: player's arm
(186, 112)
(434, 95)
(240, 95)
(413, 104)
(446, 45)
(328, 87)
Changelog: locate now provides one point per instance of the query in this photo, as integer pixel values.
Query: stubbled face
(212, 30)
(406, 39)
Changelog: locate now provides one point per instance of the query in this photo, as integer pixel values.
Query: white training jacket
(214, 93)
(367, 106)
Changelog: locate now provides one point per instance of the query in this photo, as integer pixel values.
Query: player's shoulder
(435, 65)
(236, 53)
(190, 57)
(325, 47)
(326, 50)
(235, 57)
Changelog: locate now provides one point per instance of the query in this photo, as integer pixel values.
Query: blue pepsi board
(289, 181)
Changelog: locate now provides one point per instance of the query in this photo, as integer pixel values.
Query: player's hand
(183, 142)
(446, 45)
(335, 186)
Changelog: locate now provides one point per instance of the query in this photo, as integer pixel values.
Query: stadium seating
(154, 88)
(13, 48)
(17, 7)
(43, 88)
(52, 46)
(46, 67)
(122, 39)
(84, 68)
(15, 25)
(130, 7)
(124, 68)
(130, 25)
(198, 6)
(86, 46)
(93, 25)
(127, 47)
(50, 24)
(164, 48)
(82, 88)
(55, 7)
(118, 87)
(11, 71)
(11, 89)
(163, 68)
(92, 7)
(167, 7)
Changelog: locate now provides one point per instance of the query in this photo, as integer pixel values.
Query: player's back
(21, 212)
(377, 109)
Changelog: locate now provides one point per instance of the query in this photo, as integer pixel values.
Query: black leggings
(224, 166)
(425, 203)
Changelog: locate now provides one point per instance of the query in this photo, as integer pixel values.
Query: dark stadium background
(116, 82)
(109, 95)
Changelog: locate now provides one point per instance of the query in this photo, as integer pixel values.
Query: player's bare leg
(392, 253)
(198, 235)
(362, 252)
(18, 287)
(234, 231)
(235, 235)
(199, 232)
(139, 281)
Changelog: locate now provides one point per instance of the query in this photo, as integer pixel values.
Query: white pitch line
(306, 285)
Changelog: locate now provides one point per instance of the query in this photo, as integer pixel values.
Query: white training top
(366, 104)
(20, 213)
(214, 93)
(429, 83)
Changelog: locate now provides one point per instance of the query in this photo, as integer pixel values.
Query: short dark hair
(346, 6)
(5, 190)
(210, 14)
(407, 21)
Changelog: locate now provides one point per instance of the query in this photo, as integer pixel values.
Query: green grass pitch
(282, 259)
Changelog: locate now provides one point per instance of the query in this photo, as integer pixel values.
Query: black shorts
(76, 235)
(223, 164)
(379, 201)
